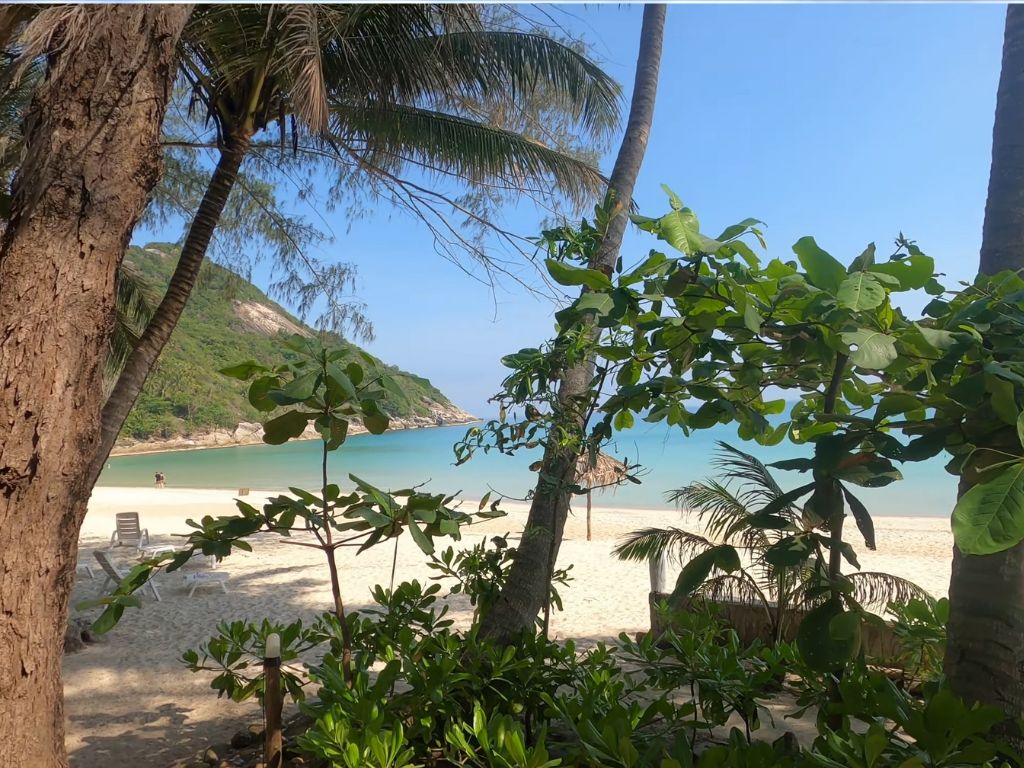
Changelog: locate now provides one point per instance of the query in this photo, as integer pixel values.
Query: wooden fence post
(273, 754)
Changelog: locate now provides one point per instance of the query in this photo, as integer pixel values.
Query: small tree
(328, 388)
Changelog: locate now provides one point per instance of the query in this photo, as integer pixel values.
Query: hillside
(186, 402)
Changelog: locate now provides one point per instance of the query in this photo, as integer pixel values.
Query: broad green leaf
(870, 349)
(283, 428)
(566, 274)
(913, 272)
(863, 518)
(423, 541)
(896, 403)
(865, 260)
(600, 303)
(375, 423)
(823, 271)
(989, 518)
(752, 318)
(244, 371)
(828, 637)
(695, 572)
(1020, 428)
(860, 291)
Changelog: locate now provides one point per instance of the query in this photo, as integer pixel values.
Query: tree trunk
(985, 652)
(164, 320)
(92, 157)
(526, 592)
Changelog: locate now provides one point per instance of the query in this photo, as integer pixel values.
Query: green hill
(227, 320)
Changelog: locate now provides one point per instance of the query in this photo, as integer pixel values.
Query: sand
(130, 701)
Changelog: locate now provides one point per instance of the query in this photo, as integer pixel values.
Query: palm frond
(457, 146)
(133, 308)
(301, 38)
(648, 544)
(876, 589)
(734, 588)
(757, 484)
(721, 511)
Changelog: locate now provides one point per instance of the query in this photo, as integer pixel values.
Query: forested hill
(228, 320)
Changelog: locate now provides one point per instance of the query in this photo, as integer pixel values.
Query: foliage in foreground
(425, 694)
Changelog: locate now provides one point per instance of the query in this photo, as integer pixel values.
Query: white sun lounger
(204, 578)
(115, 576)
(128, 531)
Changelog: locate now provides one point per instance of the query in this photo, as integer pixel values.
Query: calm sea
(404, 458)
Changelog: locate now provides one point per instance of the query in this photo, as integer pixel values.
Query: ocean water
(401, 459)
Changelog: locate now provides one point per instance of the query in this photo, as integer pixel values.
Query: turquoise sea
(403, 458)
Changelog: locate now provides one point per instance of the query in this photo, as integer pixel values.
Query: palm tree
(726, 508)
(91, 157)
(527, 589)
(985, 657)
(381, 86)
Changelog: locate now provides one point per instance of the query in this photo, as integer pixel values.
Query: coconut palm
(372, 88)
(526, 592)
(726, 508)
(984, 659)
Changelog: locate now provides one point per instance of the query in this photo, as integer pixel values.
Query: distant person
(161, 480)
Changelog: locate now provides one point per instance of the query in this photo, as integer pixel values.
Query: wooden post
(273, 753)
(658, 574)
(588, 514)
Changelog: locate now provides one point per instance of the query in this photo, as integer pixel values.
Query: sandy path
(131, 702)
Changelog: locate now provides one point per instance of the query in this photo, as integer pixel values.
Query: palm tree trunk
(985, 654)
(92, 156)
(527, 590)
(140, 362)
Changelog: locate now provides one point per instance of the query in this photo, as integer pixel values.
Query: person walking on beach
(161, 480)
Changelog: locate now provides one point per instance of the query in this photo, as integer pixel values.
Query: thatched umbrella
(598, 472)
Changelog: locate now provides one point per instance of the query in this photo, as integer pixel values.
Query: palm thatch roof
(599, 471)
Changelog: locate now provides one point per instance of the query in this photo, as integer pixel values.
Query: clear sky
(847, 122)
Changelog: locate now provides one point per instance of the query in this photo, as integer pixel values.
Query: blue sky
(850, 123)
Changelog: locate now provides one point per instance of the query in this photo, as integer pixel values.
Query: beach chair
(128, 531)
(115, 576)
(203, 578)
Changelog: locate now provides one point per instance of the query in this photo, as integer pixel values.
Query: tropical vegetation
(227, 316)
(729, 511)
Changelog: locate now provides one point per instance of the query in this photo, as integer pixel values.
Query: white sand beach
(129, 700)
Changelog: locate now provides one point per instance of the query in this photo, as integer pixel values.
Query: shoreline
(511, 505)
(255, 437)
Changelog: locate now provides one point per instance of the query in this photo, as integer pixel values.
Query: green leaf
(860, 291)
(566, 274)
(284, 427)
(863, 518)
(828, 637)
(752, 318)
(1020, 428)
(989, 518)
(694, 573)
(823, 271)
(896, 403)
(244, 371)
(788, 552)
(913, 272)
(865, 260)
(423, 541)
(600, 303)
(870, 349)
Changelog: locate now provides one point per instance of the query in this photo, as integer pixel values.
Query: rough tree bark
(92, 157)
(985, 648)
(165, 318)
(526, 591)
